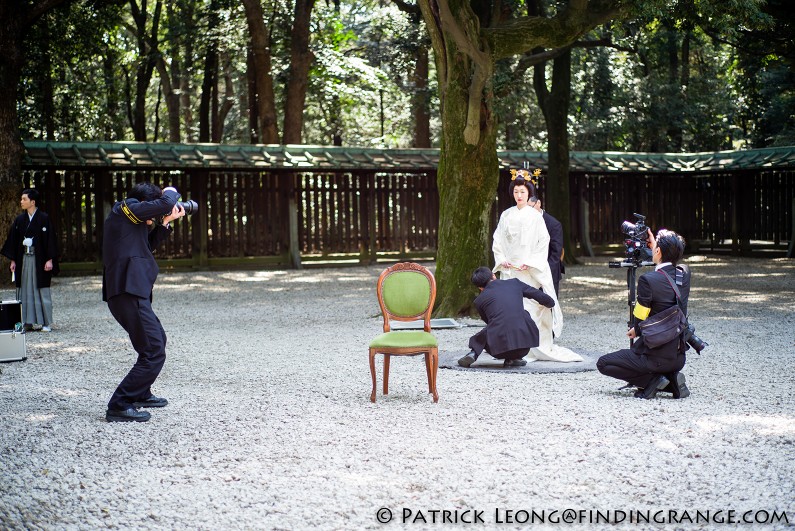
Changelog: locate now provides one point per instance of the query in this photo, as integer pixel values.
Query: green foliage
(739, 87)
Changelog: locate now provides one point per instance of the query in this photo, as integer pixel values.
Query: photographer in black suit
(128, 276)
(655, 369)
(510, 332)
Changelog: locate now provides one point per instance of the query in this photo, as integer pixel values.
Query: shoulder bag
(665, 326)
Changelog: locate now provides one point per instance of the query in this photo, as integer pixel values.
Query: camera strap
(129, 213)
(676, 290)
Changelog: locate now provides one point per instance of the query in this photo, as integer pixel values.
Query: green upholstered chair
(406, 292)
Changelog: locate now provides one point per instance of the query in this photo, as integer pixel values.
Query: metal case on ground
(12, 342)
(10, 314)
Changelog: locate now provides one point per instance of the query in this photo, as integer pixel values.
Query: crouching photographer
(653, 365)
(128, 276)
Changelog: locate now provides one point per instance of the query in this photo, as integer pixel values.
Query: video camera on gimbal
(637, 244)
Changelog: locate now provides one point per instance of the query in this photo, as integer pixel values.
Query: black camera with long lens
(190, 207)
(690, 337)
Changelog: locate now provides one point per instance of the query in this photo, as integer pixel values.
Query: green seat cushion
(407, 339)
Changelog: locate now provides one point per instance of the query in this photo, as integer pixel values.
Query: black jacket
(655, 293)
(508, 325)
(555, 230)
(128, 264)
(44, 242)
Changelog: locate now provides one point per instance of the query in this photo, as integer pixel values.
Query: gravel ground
(269, 425)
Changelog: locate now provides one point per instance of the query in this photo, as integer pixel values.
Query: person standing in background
(33, 250)
(555, 256)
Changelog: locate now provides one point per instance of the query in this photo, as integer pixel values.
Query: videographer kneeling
(655, 369)
(128, 277)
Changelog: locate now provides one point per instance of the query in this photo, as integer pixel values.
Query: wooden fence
(244, 216)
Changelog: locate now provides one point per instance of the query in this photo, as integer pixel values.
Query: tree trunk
(185, 85)
(251, 85)
(554, 105)
(11, 60)
(210, 80)
(171, 75)
(172, 100)
(114, 127)
(260, 51)
(675, 139)
(301, 58)
(48, 98)
(467, 182)
(226, 105)
(147, 59)
(419, 100)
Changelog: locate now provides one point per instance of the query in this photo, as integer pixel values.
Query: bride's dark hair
(520, 181)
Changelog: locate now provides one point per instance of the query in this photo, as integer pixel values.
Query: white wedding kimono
(522, 238)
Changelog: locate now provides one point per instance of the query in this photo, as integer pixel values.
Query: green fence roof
(151, 156)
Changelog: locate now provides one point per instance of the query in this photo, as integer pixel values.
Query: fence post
(197, 183)
(791, 248)
(735, 226)
(293, 245)
(102, 206)
(363, 229)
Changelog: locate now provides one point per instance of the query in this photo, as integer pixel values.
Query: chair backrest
(406, 292)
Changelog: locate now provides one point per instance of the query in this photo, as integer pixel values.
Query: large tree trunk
(12, 30)
(11, 147)
(261, 57)
(467, 182)
(555, 107)
(301, 58)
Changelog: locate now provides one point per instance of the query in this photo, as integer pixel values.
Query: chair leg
(372, 373)
(434, 371)
(386, 373)
(428, 364)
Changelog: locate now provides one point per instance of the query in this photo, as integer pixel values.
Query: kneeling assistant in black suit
(655, 369)
(129, 274)
(510, 332)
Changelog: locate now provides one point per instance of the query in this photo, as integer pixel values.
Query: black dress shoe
(126, 415)
(657, 384)
(469, 359)
(514, 363)
(152, 401)
(678, 385)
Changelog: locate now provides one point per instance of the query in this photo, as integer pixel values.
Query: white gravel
(269, 425)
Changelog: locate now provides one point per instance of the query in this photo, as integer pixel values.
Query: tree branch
(411, 9)
(517, 36)
(39, 8)
(467, 44)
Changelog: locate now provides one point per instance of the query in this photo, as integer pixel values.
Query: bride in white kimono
(521, 246)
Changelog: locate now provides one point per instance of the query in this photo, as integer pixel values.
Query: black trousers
(478, 344)
(148, 339)
(634, 368)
